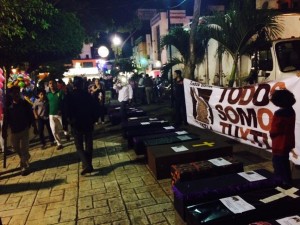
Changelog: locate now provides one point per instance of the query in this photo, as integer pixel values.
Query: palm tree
(239, 27)
(179, 38)
(192, 61)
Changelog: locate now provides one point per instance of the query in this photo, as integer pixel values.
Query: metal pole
(170, 59)
(4, 105)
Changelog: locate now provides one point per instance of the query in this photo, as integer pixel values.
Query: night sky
(123, 10)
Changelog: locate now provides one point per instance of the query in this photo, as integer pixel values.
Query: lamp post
(116, 46)
(170, 55)
(170, 47)
(103, 51)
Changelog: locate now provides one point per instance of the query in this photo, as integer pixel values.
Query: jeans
(20, 143)
(123, 111)
(281, 165)
(41, 125)
(82, 138)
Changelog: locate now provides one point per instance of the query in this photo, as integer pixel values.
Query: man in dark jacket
(82, 112)
(19, 118)
(179, 100)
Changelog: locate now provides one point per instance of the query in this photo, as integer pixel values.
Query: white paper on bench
(291, 220)
(145, 123)
(252, 176)
(169, 128)
(184, 137)
(181, 132)
(236, 204)
(179, 148)
(219, 162)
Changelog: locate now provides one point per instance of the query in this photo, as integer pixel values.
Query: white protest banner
(242, 113)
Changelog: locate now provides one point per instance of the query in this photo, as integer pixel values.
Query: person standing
(98, 93)
(41, 114)
(282, 133)
(55, 98)
(148, 82)
(82, 112)
(141, 89)
(19, 118)
(125, 94)
(179, 100)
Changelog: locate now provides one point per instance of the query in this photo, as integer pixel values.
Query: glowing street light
(103, 51)
(116, 40)
(157, 64)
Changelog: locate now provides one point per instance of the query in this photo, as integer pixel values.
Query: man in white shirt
(125, 94)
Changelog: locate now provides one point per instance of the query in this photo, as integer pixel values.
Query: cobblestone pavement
(120, 191)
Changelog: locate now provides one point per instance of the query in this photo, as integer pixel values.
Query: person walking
(125, 94)
(41, 114)
(179, 99)
(19, 119)
(282, 133)
(82, 112)
(55, 98)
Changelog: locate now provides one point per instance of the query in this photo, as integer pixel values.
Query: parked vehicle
(279, 59)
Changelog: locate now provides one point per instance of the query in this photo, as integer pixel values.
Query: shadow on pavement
(54, 161)
(108, 169)
(15, 188)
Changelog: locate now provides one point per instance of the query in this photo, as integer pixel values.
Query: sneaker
(68, 137)
(9, 152)
(86, 170)
(25, 171)
(59, 147)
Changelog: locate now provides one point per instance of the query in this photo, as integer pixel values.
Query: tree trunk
(188, 70)
(233, 72)
(192, 60)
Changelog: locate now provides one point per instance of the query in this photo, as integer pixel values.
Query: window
(87, 64)
(288, 54)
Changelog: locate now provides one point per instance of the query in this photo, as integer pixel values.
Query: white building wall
(86, 51)
(161, 20)
(272, 4)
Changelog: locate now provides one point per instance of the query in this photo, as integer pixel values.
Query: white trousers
(56, 127)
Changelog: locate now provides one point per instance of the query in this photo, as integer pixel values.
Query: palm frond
(240, 24)
(167, 67)
(179, 38)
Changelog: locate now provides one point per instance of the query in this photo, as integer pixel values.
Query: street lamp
(103, 51)
(116, 40)
(170, 47)
(117, 46)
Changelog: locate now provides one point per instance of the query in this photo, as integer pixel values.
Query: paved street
(122, 189)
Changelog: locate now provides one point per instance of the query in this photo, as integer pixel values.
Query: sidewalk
(121, 191)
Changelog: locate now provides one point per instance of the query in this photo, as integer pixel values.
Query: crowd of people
(71, 109)
(77, 106)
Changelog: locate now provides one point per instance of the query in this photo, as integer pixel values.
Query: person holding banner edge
(282, 133)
